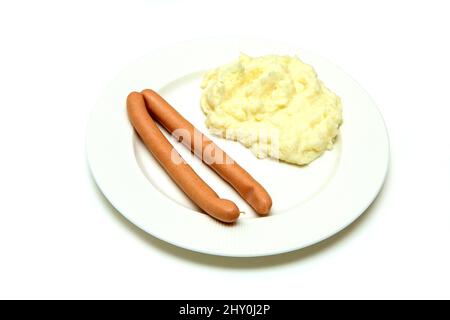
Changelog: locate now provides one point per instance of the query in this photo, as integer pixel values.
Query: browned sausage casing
(229, 170)
(180, 172)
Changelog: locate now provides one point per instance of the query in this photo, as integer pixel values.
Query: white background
(59, 238)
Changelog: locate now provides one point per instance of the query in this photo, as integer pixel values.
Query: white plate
(310, 203)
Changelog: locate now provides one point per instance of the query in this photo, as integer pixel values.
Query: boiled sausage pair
(148, 105)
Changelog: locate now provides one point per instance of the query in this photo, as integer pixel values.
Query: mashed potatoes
(274, 105)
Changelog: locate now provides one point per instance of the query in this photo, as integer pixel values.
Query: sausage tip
(230, 211)
(133, 95)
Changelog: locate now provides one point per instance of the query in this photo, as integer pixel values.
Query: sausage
(252, 192)
(172, 162)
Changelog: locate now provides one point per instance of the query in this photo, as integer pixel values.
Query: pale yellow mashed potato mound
(274, 105)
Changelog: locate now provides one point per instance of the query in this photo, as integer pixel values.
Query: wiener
(172, 162)
(229, 170)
